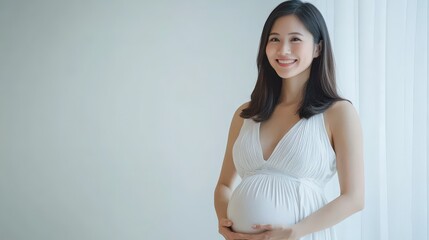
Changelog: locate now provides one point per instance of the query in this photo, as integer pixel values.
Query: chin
(286, 75)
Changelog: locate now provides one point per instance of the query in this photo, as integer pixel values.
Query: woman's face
(290, 48)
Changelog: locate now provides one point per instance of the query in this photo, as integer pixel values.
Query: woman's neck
(292, 91)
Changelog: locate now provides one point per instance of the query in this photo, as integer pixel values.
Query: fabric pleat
(286, 187)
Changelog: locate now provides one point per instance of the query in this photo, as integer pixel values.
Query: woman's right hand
(226, 231)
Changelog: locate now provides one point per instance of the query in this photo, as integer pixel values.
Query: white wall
(114, 114)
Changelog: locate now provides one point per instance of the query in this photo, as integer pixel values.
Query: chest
(272, 131)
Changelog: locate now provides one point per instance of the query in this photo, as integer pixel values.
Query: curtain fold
(381, 58)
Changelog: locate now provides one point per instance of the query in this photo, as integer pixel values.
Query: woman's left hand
(274, 232)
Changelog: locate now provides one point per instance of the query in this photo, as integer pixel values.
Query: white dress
(286, 187)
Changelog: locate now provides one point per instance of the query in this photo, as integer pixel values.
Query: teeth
(286, 61)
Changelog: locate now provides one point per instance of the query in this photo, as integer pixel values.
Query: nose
(284, 49)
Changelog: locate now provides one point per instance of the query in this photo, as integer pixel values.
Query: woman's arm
(343, 121)
(228, 173)
(227, 176)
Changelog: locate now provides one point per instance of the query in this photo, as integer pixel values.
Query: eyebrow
(292, 33)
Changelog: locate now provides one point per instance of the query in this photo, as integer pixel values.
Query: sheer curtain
(381, 57)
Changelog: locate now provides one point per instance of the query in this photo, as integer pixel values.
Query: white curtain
(381, 55)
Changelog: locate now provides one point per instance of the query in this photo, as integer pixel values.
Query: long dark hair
(320, 89)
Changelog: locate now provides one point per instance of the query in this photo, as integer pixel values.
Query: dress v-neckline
(258, 134)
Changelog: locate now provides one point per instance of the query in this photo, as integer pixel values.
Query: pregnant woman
(291, 138)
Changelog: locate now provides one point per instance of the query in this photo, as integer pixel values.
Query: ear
(318, 49)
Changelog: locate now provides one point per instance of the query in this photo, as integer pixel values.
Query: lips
(286, 62)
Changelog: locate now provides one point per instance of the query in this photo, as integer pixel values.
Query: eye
(274, 39)
(295, 39)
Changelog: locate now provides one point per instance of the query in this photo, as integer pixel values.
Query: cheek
(269, 51)
(305, 53)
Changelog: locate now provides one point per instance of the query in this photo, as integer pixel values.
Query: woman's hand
(269, 232)
(228, 234)
(274, 233)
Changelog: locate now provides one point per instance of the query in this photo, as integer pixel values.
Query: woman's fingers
(266, 227)
(230, 235)
(259, 236)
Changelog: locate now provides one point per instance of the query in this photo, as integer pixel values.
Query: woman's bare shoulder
(342, 114)
(239, 110)
(243, 106)
(237, 120)
(339, 108)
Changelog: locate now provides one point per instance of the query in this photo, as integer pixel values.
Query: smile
(286, 63)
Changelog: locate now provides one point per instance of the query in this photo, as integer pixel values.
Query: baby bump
(262, 199)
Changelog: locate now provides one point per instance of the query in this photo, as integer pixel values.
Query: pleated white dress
(286, 187)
